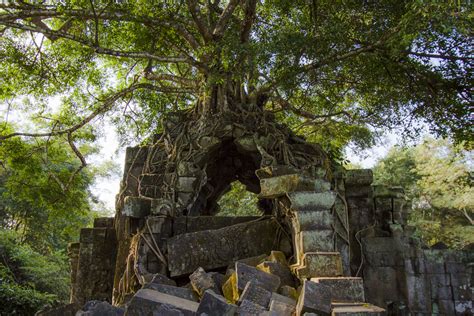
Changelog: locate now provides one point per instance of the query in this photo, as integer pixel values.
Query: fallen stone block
(314, 298)
(213, 304)
(182, 292)
(246, 273)
(282, 305)
(256, 294)
(252, 261)
(98, 308)
(202, 281)
(63, 310)
(146, 301)
(277, 256)
(248, 308)
(344, 289)
(282, 271)
(159, 278)
(288, 291)
(212, 249)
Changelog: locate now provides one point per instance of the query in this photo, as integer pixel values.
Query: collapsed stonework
(327, 241)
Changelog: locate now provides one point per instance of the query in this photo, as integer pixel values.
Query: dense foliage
(437, 177)
(43, 197)
(28, 279)
(338, 71)
(238, 202)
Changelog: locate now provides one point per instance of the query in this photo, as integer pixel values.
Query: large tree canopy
(337, 70)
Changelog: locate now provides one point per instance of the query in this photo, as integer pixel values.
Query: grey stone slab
(101, 309)
(283, 299)
(182, 292)
(308, 200)
(248, 308)
(191, 224)
(280, 270)
(360, 191)
(256, 294)
(281, 308)
(213, 304)
(280, 185)
(162, 279)
(136, 207)
(356, 310)
(202, 281)
(146, 301)
(316, 240)
(314, 298)
(311, 220)
(212, 249)
(359, 177)
(344, 289)
(246, 273)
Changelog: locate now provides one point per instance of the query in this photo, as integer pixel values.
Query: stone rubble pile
(262, 285)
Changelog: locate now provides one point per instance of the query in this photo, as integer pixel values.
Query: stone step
(344, 289)
(310, 200)
(319, 264)
(356, 309)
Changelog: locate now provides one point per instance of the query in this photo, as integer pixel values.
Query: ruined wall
(403, 275)
(93, 263)
(337, 233)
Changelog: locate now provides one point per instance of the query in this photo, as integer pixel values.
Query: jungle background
(342, 74)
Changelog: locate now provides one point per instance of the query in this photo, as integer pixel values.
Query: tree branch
(249, 17)
(199, 20)
(44, 13)
(440, 56)
(107, 105)
(224, 18)
(99, 50)
(285, 105)
(176, 79)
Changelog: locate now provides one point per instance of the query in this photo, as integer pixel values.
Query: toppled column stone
(314, 298)
(282, 271)
(202, 281)
(246, 273)
(147, 302)
(182, 292)
(213, 304)
(249, 308)
(256, 294)
(282, 305)
(218, 248)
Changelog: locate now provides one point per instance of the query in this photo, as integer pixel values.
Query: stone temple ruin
(327, 241)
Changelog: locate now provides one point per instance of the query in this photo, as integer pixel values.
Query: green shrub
(28, 279)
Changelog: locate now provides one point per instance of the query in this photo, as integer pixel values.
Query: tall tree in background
(336, 70)
(437, 177)
(42, 195)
